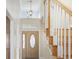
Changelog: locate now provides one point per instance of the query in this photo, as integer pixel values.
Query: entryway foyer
(38, 29)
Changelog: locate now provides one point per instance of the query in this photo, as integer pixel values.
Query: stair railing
(60, 24)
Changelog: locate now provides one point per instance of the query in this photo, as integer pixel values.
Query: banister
(51, 40)
(54, 50)
(48, 18)
(63, 7)
(62, 30)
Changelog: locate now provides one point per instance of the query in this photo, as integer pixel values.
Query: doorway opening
(30, 49)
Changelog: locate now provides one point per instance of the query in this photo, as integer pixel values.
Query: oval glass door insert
(32, 41)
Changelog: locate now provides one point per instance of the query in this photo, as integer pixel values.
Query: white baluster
(65, 44)
(59, 43)
(59, 17)
(53, 14)
(65, 36)
(59, 21)
(67, 19)
(69, 44)
(52, 19)
(62, 26)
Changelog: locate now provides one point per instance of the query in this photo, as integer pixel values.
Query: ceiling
(19, 8)
(25, 8)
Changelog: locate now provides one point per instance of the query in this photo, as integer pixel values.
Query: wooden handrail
(51, 40)
(54, 50)
(48, 18)
(47, 32)
(63, 7)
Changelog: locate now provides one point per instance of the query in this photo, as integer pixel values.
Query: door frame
(22, 42)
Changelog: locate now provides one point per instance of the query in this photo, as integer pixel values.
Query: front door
(31, 45)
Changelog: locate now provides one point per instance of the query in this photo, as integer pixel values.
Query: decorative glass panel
(23, 40)
(32, 41)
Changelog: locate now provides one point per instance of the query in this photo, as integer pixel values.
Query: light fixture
(30, 12)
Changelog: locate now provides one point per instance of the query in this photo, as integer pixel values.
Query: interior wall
(13, 39)
(44, 51)
(24, 25)
(13, 7)
(67, 3)
(30, 24)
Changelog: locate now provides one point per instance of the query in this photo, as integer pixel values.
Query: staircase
(59, 29)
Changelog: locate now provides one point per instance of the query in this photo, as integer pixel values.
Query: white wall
(42, 8)
(44, 51)
(13, 7)
(13, 39)
(67, 3)
(17, 27)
